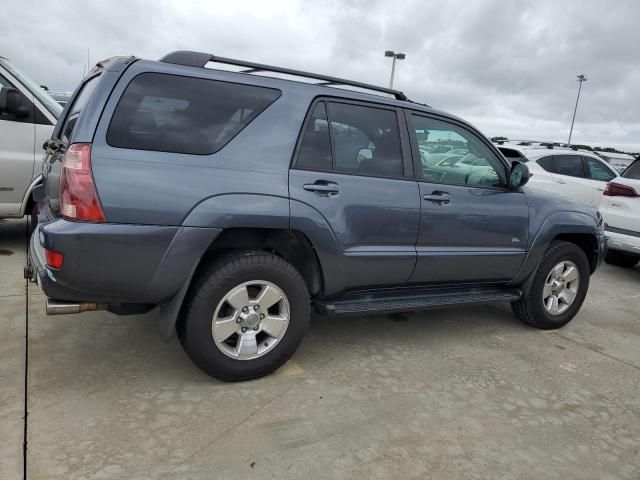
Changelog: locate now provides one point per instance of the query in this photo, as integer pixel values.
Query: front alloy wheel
(561, 287)
(557, 289)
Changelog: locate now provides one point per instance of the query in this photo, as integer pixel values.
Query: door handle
(441, 198)
(561, 182)
(322, 188)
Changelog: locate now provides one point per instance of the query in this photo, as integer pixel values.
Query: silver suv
(27, 116)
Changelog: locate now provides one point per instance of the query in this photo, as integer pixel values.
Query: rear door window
(570, 165)
(366, 140)
(77, 106)
(315, 149)
(170, 113)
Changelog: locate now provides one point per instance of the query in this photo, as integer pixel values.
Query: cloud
(508, 67)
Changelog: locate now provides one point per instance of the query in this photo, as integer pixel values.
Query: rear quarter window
(80, 100)
(170, 113)
(632, 172)
(546, 163)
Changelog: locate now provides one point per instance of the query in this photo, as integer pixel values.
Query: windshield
(43, 97)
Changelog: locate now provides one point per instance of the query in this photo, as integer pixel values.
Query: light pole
(581, 78)
(394, 55)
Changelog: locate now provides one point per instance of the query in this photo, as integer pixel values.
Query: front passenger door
(472, 228)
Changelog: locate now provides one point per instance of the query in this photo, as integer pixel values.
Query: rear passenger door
(600, 174)
(570, 179)
(352, 166)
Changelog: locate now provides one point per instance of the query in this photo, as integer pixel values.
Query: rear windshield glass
(77, 106)
(633, 172)
(169, 113)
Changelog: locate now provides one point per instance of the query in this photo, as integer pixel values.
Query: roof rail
(199, 59)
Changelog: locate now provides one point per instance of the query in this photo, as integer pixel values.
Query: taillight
(53, 259)
(78, 196)
(614, 189)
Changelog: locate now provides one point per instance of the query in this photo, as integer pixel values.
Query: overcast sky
(509, 67)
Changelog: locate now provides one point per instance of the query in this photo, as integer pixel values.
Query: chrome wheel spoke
(570, 274)
(273, 325)
(568, 296)
(223, 328)
(547, 291)
(554, 304)
(246, 345)
(557, 271)
(268, 297)
(238, 298)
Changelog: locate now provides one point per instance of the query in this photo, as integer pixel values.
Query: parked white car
(27, 117)
(577, 174)
(621, 211)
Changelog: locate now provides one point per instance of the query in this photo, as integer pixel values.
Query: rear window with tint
(633, 172)
(169, 113)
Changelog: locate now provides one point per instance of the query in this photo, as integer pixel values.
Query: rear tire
(622, 259)
(537, 307)
(239, 279)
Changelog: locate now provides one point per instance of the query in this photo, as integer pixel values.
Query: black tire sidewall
(196, 335)
(557, 254)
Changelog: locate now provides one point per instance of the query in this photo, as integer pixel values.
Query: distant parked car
(27, 116)
(579, 175)
(458, 151)
(61, 97)
(621, 211)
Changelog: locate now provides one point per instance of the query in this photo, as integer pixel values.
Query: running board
(389, 301)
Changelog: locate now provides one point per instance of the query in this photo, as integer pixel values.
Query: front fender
(557, 223)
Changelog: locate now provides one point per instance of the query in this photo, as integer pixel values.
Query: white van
(27, 116)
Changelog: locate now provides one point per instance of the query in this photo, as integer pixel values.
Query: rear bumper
(116, 263)
(624, 242)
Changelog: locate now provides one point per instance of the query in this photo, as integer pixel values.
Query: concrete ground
(452, 394)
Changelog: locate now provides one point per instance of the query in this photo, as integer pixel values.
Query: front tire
(558, 289)
(622, 259)
(245, 316)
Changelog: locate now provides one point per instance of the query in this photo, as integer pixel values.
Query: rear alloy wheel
(245, 315)
(622, 259)
(558, 288)
(250, 320)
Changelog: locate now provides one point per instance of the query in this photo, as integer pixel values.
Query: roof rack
(199, 59)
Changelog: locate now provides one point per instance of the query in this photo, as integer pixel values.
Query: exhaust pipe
(58, 307)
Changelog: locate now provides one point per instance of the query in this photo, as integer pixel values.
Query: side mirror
(11, 103)
(519, 175)
(364, 154)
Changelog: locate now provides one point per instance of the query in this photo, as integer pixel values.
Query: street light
(581, 78)
(396, 56)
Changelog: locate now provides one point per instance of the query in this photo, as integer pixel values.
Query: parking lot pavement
(12, 347)
(458, 393)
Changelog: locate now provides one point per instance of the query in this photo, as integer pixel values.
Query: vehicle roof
(535, 151)
(265, 79)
